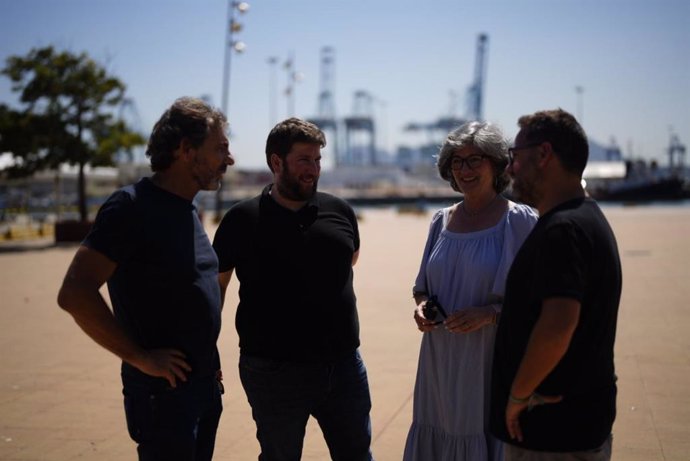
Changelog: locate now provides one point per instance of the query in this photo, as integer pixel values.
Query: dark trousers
(284, 394)
(173, 424)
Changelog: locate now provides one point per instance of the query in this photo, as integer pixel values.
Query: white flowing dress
(451, 396)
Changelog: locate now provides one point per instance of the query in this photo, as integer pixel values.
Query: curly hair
(187, 118)
(486, 137)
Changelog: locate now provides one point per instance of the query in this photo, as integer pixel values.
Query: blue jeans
(284, 394)
(173, 424)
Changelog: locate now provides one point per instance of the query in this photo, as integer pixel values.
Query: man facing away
(293, 249)
(150, 247)
(554, 385)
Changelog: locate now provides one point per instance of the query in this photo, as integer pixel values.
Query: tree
(67, 115)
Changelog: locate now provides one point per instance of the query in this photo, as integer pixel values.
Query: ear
(546, 154)
(185, 149)
(276, 163)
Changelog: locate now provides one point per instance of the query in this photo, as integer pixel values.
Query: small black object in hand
(432, 309)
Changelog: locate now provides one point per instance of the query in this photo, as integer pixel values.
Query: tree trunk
(81, 192)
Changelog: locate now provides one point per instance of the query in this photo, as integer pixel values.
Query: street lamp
(579, 90)
(293, 77)
(231, 45)
(234, 7)
(272, 111)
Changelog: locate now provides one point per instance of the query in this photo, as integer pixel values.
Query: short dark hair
(187, 118)
(288, 132)
(563, 132)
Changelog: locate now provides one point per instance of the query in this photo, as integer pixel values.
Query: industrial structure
(360, 132)
(474, 99)
(326, 119)
(354, 137)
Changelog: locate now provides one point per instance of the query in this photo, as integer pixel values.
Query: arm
(547, 345)
(80, 296)
(472, 318)
(355, 257)
(224, 280)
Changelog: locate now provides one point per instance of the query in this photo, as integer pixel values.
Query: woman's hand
(470, 319)
(423, 324)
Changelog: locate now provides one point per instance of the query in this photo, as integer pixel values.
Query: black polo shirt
(295, 271)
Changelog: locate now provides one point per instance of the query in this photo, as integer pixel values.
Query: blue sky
(630, 57)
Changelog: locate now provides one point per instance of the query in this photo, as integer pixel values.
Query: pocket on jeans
(139, 417)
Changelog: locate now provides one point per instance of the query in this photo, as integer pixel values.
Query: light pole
(579, 90)
(234, 7)
(273, 111)
(293, 77)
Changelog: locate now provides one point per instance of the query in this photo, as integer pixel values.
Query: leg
(173, 424)
(281, 395)
(161, 424)
(344, 414)
(211, 404)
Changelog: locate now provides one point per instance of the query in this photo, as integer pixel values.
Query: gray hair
(187, 118)
(486, 137)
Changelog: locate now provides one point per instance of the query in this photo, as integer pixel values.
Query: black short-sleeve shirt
(165, 290)
(297, 301)
(571, 253)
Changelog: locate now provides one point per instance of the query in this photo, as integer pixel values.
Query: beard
(525, 190)
(206, 177)
(290, 187)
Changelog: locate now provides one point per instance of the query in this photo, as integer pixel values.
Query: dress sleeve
(435, 228)
(519, 223)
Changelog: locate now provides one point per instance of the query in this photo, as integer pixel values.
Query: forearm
(94, 317)
(419, 298)
(223, 281)
(547, 345)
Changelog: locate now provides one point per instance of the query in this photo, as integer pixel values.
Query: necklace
(472, 214)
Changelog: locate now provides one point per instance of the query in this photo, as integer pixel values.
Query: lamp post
(272, 112)
(579, 90)
(234, 7)
(293, 77)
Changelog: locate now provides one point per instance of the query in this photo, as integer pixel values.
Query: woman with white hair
(458, 294)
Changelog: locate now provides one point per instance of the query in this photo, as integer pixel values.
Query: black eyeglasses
(432, 309)
(512, 150)
(472, 162)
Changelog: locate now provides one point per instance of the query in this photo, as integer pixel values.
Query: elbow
(65, 298)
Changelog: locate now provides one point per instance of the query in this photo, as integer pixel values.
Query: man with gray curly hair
(149, 245)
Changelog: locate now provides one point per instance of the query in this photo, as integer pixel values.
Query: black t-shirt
(295, 271)
(165, 290)
(571, 253)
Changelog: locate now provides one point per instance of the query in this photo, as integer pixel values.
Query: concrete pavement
(60, 394)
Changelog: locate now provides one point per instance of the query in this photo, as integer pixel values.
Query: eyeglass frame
(466, 161)
(432, 308)
(511, 150)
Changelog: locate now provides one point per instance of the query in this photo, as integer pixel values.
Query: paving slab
(60, 394)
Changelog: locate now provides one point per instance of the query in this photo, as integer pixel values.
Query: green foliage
(67, 115)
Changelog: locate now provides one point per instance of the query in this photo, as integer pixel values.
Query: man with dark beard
(151, 248)
(293, 249)
(553, 384)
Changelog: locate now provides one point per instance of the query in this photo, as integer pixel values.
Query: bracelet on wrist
(518, 400)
